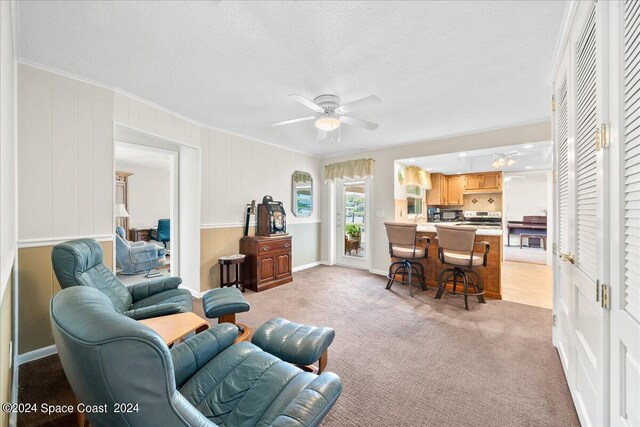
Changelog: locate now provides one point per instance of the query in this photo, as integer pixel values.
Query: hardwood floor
(525, 283)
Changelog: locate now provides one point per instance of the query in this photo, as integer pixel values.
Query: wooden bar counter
(491, 274)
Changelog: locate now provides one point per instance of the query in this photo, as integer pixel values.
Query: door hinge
(555, 249)
(605, 296)
(555, 319)
(553, 103)
(598, 290)
(555, 177)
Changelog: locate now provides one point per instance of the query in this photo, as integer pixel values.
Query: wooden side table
(139, 234)
(174, 327)
(227, 264)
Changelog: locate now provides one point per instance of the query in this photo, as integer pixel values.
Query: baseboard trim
(378, 272)
(306, 266)
(36, 354)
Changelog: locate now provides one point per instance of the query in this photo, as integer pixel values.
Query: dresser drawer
(274, 246)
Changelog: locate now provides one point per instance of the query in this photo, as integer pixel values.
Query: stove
(483, 219)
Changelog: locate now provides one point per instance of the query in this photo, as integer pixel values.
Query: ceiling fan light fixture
(327, 122)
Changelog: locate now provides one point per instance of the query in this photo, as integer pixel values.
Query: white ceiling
(528, 157)
(130, 155)
(441, 68)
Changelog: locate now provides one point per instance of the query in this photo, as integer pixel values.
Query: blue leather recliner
(207, 380)
(80, 263)
(136, 257)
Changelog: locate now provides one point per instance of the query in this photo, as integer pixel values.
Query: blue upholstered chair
(80, 263)
(136, 257)
(205, 381)
(162, 234)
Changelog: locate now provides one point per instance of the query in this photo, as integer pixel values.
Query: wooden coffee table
(174, 327)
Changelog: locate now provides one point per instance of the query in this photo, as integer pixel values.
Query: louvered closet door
(583, 254)
(625, 308)
(562, 301)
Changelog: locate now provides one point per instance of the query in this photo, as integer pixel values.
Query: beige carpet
(417, 361)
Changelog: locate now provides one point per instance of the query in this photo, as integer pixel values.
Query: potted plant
(353, 231)
(352, 237)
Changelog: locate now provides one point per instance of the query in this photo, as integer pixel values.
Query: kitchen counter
(430, 227)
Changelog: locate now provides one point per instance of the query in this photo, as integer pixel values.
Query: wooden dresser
(268, 262)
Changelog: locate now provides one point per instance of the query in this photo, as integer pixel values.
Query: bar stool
(455, 249)
(226, 265)
(403, 244)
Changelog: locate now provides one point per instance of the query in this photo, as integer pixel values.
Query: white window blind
(632, 157)
(586, 165)
(563, 165)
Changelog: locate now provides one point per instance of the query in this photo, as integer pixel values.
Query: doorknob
(568, 257)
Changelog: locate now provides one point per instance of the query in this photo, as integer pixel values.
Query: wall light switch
(379, 214)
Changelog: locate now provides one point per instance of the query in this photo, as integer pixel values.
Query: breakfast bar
(491, 274)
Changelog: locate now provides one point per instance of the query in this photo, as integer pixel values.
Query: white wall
(526, 193)
(65, 157)
(7, 147)
(149, 194)
(383, 182)
(236, 170)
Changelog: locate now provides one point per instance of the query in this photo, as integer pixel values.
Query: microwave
(451, 214)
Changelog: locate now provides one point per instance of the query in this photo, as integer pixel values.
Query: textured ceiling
(441, 68)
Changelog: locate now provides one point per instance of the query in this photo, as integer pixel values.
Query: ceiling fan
(331, 114)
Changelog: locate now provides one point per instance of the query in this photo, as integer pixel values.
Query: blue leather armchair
(80, 263)
(204, 381)
(135, 257)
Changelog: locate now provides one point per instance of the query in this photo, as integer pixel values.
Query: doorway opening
(353, 202)
(506, 193)
(527, 272)
(145, 203)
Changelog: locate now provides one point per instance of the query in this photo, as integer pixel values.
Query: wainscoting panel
(306, 242)
(6, 316)
(37, 285)
(216, 242)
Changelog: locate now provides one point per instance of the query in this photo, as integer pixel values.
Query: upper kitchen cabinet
(455, 190)
(438, 193)
(483, 182)
(446, 190)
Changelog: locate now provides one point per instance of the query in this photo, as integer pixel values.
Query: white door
(582, 193)
(625, 241)
(563, 306)
(353, 201)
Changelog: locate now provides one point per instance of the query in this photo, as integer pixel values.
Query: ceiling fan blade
(307, 103)
(288, 122)
(358, 122)
(360, 103)
(322, 134)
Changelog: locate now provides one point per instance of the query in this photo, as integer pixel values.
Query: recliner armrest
(310, 406)
(143, 290)
(157, 310)
(192, 354)
(137, 244)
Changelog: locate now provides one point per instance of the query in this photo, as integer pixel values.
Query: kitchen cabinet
(446, 190)
(483, 182)
(455, 190)
(268, 261)
(437, 196)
